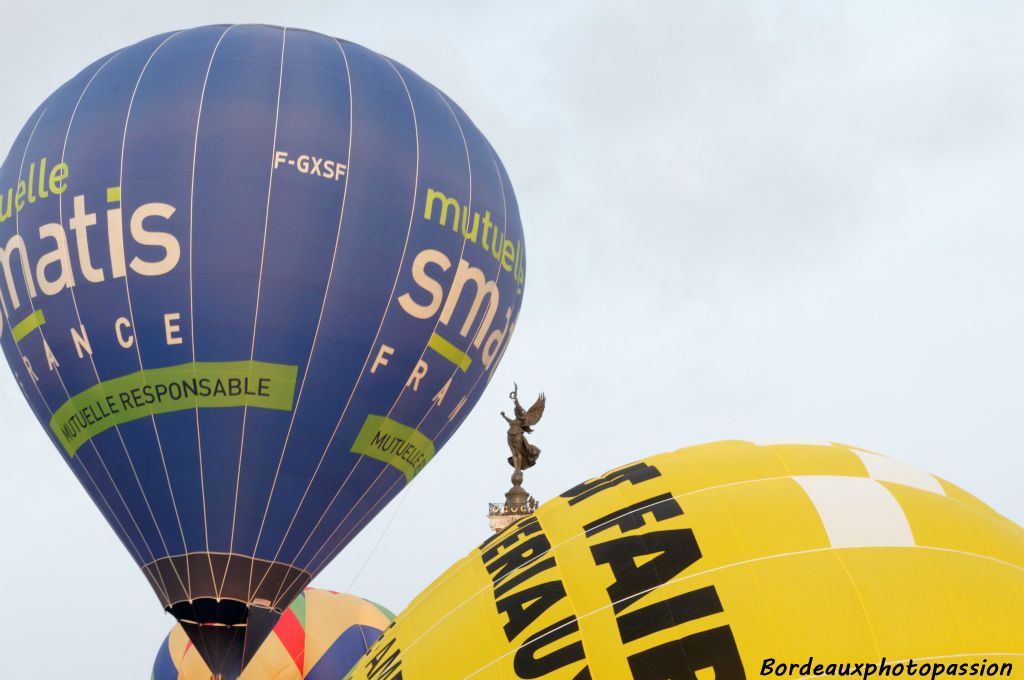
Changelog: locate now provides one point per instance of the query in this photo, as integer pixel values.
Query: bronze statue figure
(524, 454)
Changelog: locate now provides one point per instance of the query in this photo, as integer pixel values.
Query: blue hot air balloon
(252, 279)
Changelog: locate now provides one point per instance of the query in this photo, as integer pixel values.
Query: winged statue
(524, 454)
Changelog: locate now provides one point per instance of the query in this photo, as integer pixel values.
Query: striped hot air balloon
(319, 637)
(252, 279)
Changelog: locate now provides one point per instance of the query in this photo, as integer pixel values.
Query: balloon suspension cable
(380, 538)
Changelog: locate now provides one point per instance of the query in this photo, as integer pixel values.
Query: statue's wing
(532, 417)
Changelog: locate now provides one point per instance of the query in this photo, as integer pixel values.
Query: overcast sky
(783, 221)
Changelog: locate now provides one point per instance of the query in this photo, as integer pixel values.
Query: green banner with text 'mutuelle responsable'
(175, 388)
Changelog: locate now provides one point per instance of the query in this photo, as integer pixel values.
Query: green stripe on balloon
(28, 325)
(298, 608)
(383, 610)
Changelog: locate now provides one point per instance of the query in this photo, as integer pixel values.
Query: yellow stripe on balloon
(272, 662)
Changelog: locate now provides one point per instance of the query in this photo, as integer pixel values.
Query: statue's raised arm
(514, 396)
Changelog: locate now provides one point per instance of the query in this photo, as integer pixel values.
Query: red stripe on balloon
(292, 635)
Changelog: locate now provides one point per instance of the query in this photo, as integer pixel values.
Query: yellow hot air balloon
(728, 561)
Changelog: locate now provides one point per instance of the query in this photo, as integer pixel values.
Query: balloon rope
(332, 552)
(403, 494)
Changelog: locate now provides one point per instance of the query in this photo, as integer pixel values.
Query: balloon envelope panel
(253, 279)
(708, 561)
(320, 637)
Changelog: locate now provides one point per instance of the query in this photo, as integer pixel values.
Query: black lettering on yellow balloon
(672, 612)
(527, 664)
(382, 666)
(515, 557)
(634, 474)
(681, 659)
(662, 507)
(526, 606)
(673, 550)
(502, 587)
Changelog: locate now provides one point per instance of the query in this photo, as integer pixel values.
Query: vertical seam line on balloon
(366, 643)
(739, 539)
(31, 302)
(29, 299)
(256, 314)
(860, 601)
(316, 334)
(191, 306)
(17, 231)
(60, 379)
(514, 321)
(497, 358)
(384, 470)
(92, 360)
(949, 598)
(462, 252)
(790, 472)
(472, 335)
(520, 285)
(394, 286)
(3, 302)
(28, 293)
(489, 372)
(437, 323)
(21, 169)
(423, 353)
(131, 316)
(380, 327)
